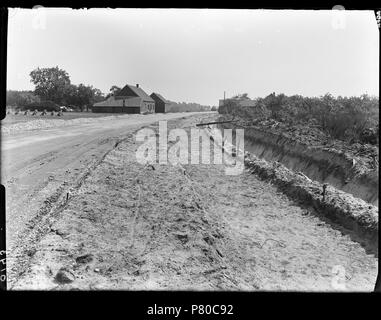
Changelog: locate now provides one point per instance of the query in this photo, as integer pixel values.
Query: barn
(160, 103)
(130, 99)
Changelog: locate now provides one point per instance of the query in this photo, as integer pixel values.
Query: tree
(275, 103)
(114, 91)
(97, 95)
(20, 98)
(71, 96)
(241, 96)
(230, 106)
(51, 83)
(82, 96)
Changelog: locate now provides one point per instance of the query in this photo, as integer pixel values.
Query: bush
(186, 107)
(233, 108)
(354, 119)
(20, 98)
(43, 105)
(370, 135)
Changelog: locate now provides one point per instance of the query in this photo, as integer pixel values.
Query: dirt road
(40, 166)
(129, 226)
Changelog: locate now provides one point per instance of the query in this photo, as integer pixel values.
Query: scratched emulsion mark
(338, 20)
(39, 18)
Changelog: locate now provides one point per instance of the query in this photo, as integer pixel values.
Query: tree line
(53, 87)
(355, 119)
(186, 107)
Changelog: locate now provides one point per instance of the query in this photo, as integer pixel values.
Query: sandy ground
(40, 166)
(130, 226)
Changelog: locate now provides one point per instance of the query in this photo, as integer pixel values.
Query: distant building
(161, 104)
(130, 99)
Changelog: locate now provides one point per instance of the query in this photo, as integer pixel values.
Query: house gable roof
(159, 96)
(112, 102)
(132, 91)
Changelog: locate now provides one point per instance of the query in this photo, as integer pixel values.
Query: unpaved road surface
(40, 166)
(129, 226)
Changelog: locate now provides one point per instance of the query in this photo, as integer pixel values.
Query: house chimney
(137, 85)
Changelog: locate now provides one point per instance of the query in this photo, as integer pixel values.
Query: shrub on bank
(353, 119)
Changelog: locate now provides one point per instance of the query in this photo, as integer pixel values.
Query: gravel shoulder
(191, 227)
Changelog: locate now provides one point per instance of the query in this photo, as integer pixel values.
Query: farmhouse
(130, 99)
(161, 104)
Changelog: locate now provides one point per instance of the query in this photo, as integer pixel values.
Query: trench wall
(317, 163)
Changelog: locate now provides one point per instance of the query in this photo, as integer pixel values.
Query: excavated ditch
(318, 163)
(340, 207)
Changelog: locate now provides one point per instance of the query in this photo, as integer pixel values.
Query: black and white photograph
(213, 150)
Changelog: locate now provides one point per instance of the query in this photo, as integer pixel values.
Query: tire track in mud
(58, 200)
(166, 222)
(193, 230)
(41, 223)
(157, 229)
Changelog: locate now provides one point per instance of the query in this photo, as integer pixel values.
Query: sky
(194, 55)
